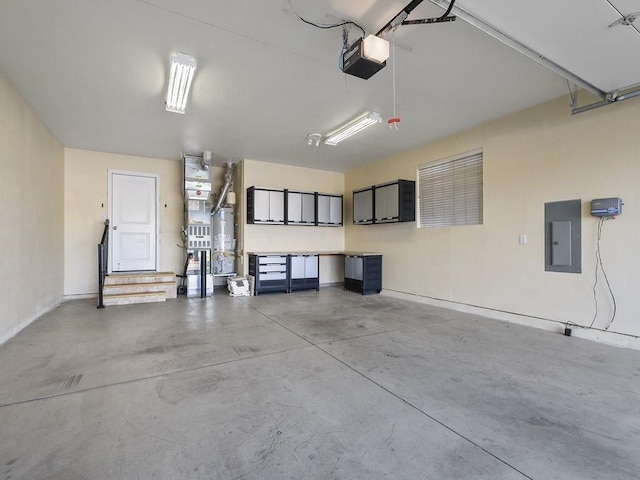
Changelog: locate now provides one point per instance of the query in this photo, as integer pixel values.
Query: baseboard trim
(79, 296)
(25, 323)
(594, 334)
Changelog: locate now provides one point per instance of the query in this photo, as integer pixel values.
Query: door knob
(115, 227)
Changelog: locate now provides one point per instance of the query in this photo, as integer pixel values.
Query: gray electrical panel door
(563, 236)
(561, 243)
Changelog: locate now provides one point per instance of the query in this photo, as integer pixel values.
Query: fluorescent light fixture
(183, 66)
(376, 48)
(358, 124)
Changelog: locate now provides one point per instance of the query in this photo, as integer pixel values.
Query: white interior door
(133, 214)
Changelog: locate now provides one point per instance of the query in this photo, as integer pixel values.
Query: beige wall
(86, 207)
(540, 155)
(31, 202)
(269, 238)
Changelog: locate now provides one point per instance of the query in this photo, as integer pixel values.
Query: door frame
(156, 177)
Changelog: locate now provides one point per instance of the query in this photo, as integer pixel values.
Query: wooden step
(139, 277)
(131, 298)
(122, 288)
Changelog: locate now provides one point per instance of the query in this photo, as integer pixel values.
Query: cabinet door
(381, 203)
(349, 266)
(261, 205)
(276, 206)
(353, 267)
(392, 201)
(358, 268)
(335, 210)
(387, 203)
(363, 206)
(294, 207)
(308, 208)
(297, 266)
(324, 209)
(311, 266)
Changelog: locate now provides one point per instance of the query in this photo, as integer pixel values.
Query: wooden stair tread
(138, 294)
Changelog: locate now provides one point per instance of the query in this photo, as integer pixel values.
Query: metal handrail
(103, 256)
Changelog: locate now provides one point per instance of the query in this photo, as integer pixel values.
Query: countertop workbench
(317, 252)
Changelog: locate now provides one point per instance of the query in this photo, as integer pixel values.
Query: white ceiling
(95, 71)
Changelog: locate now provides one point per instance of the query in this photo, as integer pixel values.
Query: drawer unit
(304, 273)
(363, 273)
(270, 273)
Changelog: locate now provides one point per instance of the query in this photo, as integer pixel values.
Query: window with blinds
(450, 192)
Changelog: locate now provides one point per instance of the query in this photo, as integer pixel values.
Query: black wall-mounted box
(355, 63)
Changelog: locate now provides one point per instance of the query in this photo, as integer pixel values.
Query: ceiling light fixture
(351, 128)
(183, 66)
(314, 139)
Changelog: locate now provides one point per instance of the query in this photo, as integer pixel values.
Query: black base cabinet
(304, 272)
(270, 273)
(363, 273)
(284, 272)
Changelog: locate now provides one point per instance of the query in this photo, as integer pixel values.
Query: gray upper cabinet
(329, 209)
(385, 203)
(301, 208)
(265, 205)
(363, 206)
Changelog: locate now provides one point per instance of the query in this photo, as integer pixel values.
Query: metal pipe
(228, 181)
(628, 95)
(203, 273)
(100, 276)
(604, 103)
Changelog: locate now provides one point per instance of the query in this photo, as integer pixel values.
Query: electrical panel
(606, 207)
(563, 236)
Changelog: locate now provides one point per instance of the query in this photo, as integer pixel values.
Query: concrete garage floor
(327, 385)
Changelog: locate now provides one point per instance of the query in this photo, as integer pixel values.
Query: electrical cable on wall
(600, 267)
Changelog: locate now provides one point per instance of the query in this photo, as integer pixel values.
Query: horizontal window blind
(450, 192)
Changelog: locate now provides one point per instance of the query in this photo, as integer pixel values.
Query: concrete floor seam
(151, 377)
(431, 417)
(439, 422)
